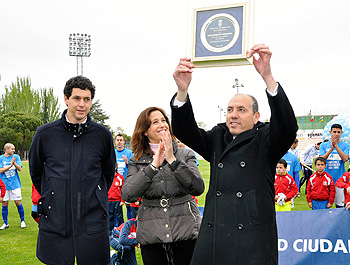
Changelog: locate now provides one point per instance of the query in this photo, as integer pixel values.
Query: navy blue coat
(239, 221)
(72, 168)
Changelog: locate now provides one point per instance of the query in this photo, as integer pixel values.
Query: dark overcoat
(72, 167)
(239, 222)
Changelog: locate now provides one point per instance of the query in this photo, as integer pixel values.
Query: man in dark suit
(239, 225)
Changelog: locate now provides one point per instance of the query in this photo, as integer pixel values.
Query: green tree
(122, 131)
(98, 114)
(20, 97)
(18, 128)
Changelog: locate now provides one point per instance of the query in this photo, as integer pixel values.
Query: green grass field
(17, 246)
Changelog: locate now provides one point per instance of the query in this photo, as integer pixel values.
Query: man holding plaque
(239, 224)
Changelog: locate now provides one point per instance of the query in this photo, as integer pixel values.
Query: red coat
(344, 183)
(320, 188)
(285, 184)
(116, 187)
(3, 189)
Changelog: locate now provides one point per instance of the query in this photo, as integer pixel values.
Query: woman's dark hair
(139, 141)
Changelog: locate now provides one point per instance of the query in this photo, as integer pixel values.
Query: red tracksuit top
(320, 188)
(114, 193)
(344, 182)
(285, 184)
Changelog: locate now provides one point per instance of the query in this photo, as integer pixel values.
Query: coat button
(162, 181)
(210, 225)
(220, 165)
(40, 203)
(167, 235)
(242, 164)
(218, 193)
(239, 194)
(166, 225)
(52, 193)
(165, 209)
(49, 207)
(240, 226)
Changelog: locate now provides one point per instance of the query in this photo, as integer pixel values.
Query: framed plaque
(222, 35)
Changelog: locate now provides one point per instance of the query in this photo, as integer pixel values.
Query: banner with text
(314, 237)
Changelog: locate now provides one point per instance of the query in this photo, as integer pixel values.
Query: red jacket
(3, 189)
(285, 184)
(320, 188)
(344, 183)
(35, 195)
(116, 187)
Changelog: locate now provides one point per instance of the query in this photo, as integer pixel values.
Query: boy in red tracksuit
(344, 183)
(3, 190)
(115, 201)
(321, 188)
(285, 187)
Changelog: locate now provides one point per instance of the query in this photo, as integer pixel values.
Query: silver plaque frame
(221, 35)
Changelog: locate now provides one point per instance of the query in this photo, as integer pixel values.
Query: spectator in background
(293, 148)
(123, 240)
(123, 155)
(306, 160)
(10, 164)
(321, 189)
(115, 201)
(337, 153)
(35, 199)
(293, 168)
(344, 183)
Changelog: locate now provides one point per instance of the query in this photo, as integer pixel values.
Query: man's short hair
(322, 159)
(254, 104)
(283, 162)
(119, 134)
(8, 145)
(336, 126)
(78, 82)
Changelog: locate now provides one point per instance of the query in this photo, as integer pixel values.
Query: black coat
(72, 169)
(239, 222)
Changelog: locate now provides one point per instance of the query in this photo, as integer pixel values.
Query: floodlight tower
(79, 46)
(236, 85)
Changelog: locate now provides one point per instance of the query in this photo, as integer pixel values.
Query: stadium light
(79, 46)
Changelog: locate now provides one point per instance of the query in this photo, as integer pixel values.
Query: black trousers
(307, 174)
(176, 253)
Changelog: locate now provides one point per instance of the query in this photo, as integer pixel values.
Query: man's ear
(66, 100)
(256, 117)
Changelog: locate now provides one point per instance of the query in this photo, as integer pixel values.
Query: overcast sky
(136, 46)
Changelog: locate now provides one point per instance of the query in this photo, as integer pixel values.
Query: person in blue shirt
(123, 155)
(10, 164)
(337, 153)
(293, 166)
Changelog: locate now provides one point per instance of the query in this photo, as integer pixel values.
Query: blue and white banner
(314, 237)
